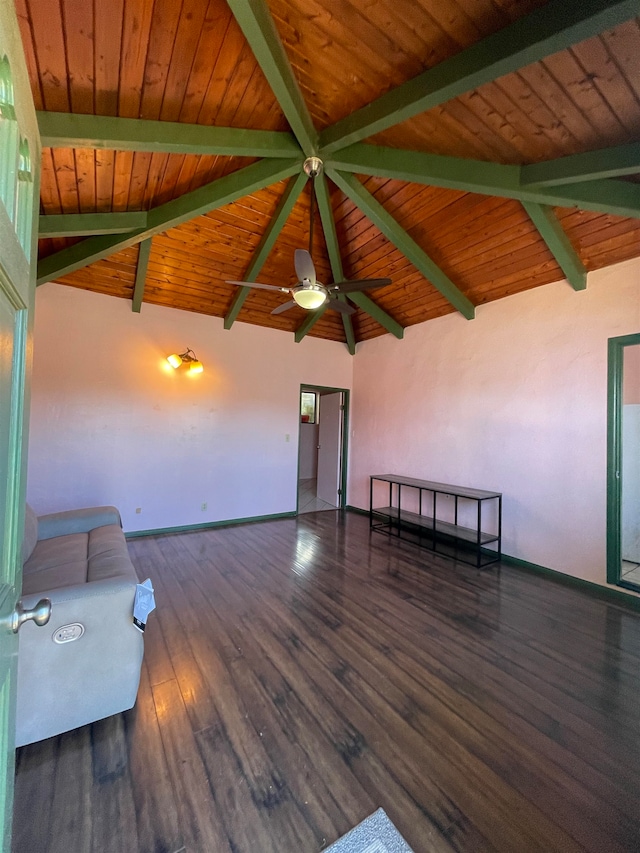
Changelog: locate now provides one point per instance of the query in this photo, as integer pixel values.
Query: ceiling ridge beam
(331, 240)
(620, 198)
(141, 275)
(169, 215)
(272, 232)
(558, 243)
(545, 31)
(71, 130)
(363, 199)
(586, 166)
(255, 21)
(86, 224)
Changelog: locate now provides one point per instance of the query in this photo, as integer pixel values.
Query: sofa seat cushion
(108, 554)
(76, 558)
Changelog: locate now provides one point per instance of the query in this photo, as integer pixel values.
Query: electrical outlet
(287, 437)
(203, 506)
(138, 510)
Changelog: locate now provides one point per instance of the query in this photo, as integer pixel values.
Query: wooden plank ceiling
(476, 231)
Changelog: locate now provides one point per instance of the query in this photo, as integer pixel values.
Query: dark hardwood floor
(301, 673)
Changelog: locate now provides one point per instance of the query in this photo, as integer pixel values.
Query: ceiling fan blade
(342, 307)
(358, 284)
(304, 266)
(259, 286)
(284, 307)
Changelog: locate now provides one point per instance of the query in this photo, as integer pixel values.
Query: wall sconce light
(187, 357)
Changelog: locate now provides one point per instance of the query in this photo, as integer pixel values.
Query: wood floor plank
(114, 826)
(301, 673)
(71, 822)
(200, 821)
(153, 795)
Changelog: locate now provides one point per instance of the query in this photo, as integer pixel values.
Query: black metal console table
(434, 520)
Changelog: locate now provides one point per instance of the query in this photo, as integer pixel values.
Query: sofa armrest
(76, 521)
(65, 685)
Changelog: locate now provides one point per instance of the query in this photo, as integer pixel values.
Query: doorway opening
(623, 469)
(322, 448)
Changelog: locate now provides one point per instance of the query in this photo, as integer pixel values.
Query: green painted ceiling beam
(558, 243)
(409, 248)
(331, 240)
(360, 299)
(284, 208)
(70, 130)
(256, 23)
(87, 224)
(141, 274)
(554, 27)
(84, 253)
(620, 198)
(588, 166)
(312, 318)
(329, 227)
(209, 197)
(379, 315)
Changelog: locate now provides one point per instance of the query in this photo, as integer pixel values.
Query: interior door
(329, 448)
(19, 149)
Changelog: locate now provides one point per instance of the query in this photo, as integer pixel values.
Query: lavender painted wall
(111, 422)
(513, 401)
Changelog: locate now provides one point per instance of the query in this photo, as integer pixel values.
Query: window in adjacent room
(308, 407)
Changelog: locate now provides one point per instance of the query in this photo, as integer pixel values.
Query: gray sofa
(83, 665)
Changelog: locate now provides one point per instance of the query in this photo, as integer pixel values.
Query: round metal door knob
(40, 614)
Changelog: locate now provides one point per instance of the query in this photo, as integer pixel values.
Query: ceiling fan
(309, 293)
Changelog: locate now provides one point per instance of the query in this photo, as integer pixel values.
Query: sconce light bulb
(174, 360)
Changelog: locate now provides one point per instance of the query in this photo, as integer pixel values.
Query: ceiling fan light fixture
(310, 296)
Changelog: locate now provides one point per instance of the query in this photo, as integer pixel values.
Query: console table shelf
(436, 521)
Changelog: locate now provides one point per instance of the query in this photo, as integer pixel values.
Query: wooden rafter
(587, 166)
(409, 248)
(284, 208)
(70, 130)
(87, 224)
(331, 240)
(257, 25)
(141, 274)
(603, 196)
(558, 243)
(223, 191)
(550, 29)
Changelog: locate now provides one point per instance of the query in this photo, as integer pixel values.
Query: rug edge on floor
(375, 834)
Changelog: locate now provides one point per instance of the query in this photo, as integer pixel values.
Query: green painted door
(19, 150)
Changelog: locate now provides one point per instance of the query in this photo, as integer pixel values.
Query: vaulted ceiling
(472, 149)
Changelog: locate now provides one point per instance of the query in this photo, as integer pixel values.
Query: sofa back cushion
(30, 533)
(56, 563)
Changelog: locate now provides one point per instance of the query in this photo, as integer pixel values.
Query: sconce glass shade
(310, 296)
(189, 357)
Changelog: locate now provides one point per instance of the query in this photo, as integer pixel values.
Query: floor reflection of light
(306, 547)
